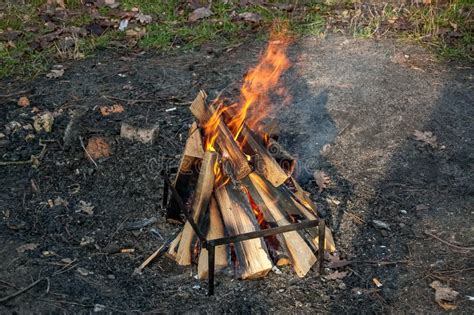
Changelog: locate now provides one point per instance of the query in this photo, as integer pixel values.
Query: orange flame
(255, 94)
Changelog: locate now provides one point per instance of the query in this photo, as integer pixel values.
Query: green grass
(170, 28)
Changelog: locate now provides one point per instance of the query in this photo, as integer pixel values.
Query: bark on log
(215, 231)
(252, 258)
(202, 196)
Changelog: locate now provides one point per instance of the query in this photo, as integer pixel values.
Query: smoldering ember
(236, 157)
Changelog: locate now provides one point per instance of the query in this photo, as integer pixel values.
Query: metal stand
(210, 245)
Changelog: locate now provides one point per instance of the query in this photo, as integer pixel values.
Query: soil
(356, 106)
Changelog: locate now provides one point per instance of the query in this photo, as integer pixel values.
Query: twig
(11, 296)
(33, 158)
(381, 263)
(88, 155)
(447, 243)
(157, 253)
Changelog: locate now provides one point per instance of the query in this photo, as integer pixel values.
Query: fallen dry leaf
(83, 271)
(444, 295)
(337, 262)
(23, 101)
(112, 109)
(43, 122)
(86, 207)
(250, 17)
(427, 137)
(97, 148)
(29, 246)
(56, 72)
(336, 275)
(143, 18)
(199, 14)
(322, 180)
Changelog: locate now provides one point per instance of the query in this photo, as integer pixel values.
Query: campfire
(235, 179)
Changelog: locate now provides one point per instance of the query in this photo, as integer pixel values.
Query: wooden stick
(174, 246)
(284, 159)
(225, 139)
(202, 196)
(187, 173)
(266, 164)
(301, 255)
(253, 260)
(216, 230)
(157, 253)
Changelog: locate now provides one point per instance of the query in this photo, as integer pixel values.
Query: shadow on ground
(355, 107)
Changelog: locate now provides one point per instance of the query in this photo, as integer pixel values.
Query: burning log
(201, 200)
(252, 258)
(284, 159)
(225, 140)
(300, 253)
(215, 231)
(266, 165)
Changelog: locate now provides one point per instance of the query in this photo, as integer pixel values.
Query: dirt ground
(356, 106)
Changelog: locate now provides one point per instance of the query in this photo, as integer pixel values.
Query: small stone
(2, 136)
(381, 225)
(403, 212)
(342, 286)
(111, 277)
(138, 129)
(281, 290)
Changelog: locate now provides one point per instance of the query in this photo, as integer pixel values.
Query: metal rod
(322, 241)
(263, 233)
(211, 264)
(182, 207)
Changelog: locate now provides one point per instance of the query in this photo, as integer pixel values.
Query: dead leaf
(112, 109)
(426, 137)
(98, 148)
(83, 271)
(143, 18)
(136, 32)
(322, 180)
(43, 122)
(337, 262)
(86, 207)
(56, 72)
(67, 261)
(199, 14)
(60, 202)
(23, 101)
(87, 240)
(336, 275)
(29, 246)
(444, 295)
(250, 17)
